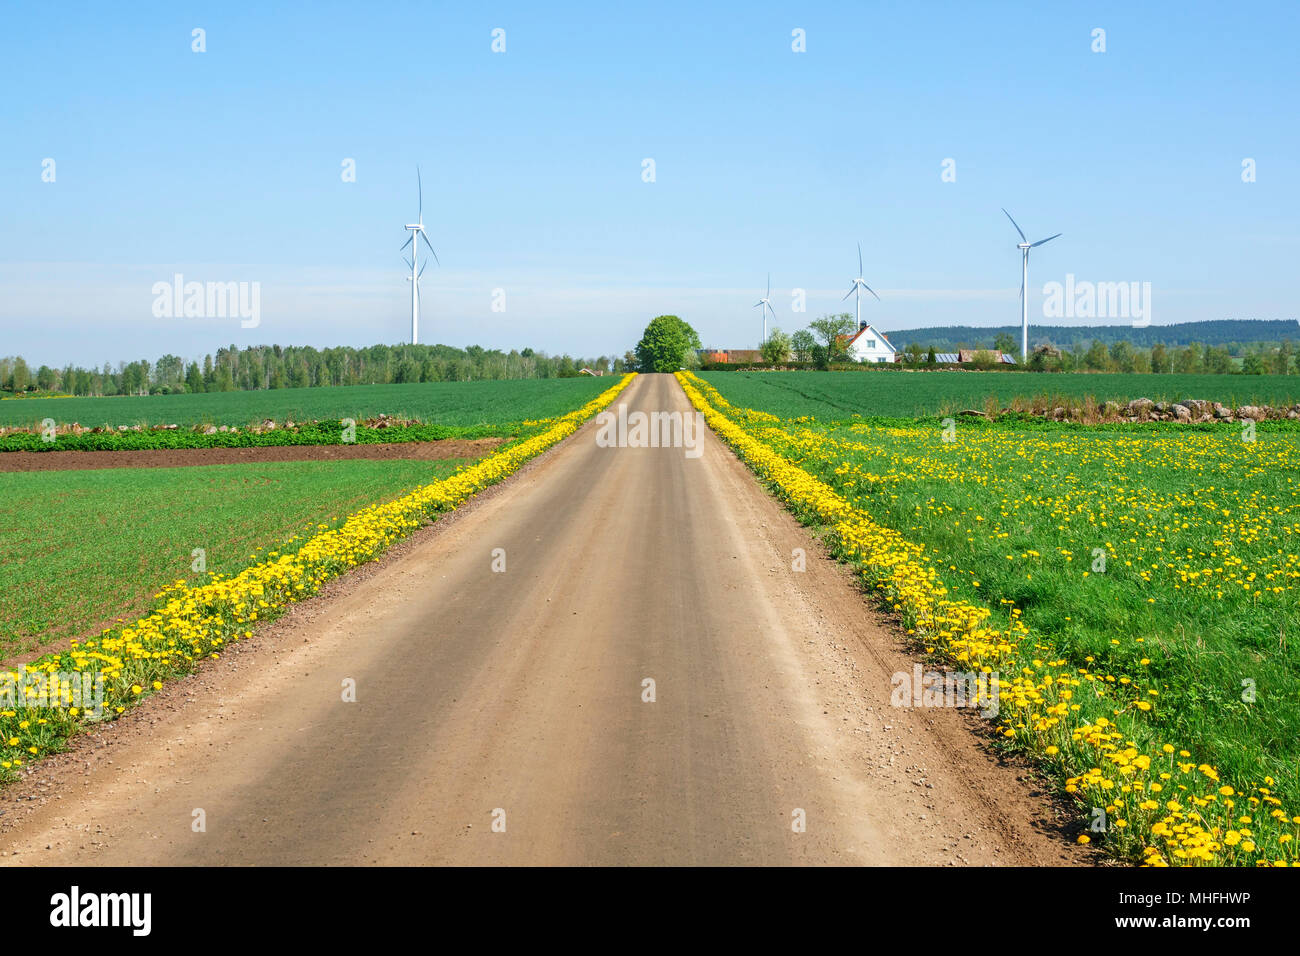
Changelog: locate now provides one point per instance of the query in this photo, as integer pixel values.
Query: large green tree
(1159, 358)
(802, 343)
(1097, 357)
(20, 376)
(665, 343)
(830, 329)
(777, 347)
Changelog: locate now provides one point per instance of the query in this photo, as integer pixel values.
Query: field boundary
(24, 461)
(1073, 398)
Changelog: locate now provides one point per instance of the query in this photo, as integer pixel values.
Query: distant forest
(274, 366)
(1233, 334)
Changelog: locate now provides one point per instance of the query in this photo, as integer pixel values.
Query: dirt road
(520, 692)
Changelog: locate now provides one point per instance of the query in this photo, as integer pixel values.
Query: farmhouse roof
(850, 339)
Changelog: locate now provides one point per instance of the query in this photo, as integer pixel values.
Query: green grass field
(830, 396)
(442, 403)
(79, 549)
(1198, 533)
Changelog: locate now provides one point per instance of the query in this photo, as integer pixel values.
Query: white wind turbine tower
(855, 290)
(764, 305)
(417, 229)
(1024, 246)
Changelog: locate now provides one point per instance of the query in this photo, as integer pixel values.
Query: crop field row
(833, 396)
(1135, 590)
(80, 549)
(433, 403)
(316, 433)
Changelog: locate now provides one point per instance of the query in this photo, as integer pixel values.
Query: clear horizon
(226, 166)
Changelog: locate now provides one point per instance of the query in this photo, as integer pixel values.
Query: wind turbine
(1024, 246)
(764, 306)
(855, 290)
(417, 229)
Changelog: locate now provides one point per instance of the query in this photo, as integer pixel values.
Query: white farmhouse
(869, 345)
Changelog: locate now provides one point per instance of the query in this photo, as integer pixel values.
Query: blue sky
(225, 166)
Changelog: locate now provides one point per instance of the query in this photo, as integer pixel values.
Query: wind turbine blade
(769, 285)
(771, 310)
(872, 291)
(409, 263)
(1022, 287)
(1048, 239)
(407, 242)
(430, 245)
(420, 185)
(1018, 229)
(422, 268)
(859, 260)
(852, 289)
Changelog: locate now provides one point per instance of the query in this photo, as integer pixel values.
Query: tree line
(273, 366)
(824, 342)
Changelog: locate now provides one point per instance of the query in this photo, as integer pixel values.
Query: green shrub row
(318, 433)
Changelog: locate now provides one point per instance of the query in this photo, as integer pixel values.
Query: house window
(880, 359)
(871, 343)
